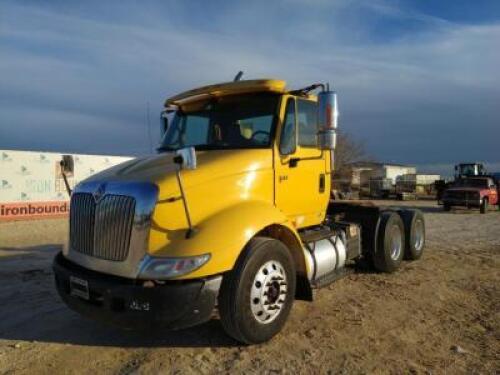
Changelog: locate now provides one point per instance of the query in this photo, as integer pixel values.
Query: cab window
(288, 137)
(196, 130)
(307, 118)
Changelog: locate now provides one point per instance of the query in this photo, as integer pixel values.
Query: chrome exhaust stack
(327, 122)
(327, 119)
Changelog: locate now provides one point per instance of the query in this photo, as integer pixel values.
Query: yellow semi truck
(232, 216)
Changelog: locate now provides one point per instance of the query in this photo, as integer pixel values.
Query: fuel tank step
(331, 277)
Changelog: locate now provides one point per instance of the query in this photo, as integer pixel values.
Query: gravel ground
(437, 315)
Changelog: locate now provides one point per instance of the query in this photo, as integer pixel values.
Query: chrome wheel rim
(269, 292)
(419, 235)
(396, 242)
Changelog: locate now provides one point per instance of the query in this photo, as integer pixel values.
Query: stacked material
(419, 184)
(31, 184)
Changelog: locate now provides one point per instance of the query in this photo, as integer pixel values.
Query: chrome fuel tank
(326, 254)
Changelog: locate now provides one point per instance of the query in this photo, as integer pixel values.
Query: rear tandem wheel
(390, 242)
(414, 233)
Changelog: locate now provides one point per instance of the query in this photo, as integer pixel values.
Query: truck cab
(232, 215)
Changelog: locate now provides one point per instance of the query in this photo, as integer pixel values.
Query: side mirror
(163, 123)
(186, 158)
(327, 120)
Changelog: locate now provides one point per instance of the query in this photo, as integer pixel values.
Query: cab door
(301, 183)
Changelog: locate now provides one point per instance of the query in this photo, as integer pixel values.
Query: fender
(236, 225)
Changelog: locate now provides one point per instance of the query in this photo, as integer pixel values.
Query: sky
(418, 81)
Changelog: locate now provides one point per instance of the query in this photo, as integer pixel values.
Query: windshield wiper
(165, 149)
(210, 146)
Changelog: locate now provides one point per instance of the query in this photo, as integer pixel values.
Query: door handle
(322, 183)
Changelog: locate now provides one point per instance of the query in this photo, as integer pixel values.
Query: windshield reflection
(238, 121)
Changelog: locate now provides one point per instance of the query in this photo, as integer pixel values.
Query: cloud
(421, 94)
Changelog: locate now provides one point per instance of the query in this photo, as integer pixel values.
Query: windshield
(472, 182)
(239, 121)
(468, 169)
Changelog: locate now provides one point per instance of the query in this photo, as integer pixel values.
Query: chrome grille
(81, 223)
(101, 229)
(463, 195)
(457, 194)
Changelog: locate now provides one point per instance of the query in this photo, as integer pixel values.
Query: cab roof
(227, 88)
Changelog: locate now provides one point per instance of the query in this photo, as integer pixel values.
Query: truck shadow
(75, 330)
(31, 310)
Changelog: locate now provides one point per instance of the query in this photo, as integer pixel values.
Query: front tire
(484, 206)
(257, 295)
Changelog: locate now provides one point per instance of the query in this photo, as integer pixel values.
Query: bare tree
(349, 150)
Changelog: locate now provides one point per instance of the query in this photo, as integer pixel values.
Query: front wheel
(257, 295)
(484, 206)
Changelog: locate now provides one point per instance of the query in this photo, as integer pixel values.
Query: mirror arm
(191, 231)
(65, 178)
(179, 160)
(294, 161)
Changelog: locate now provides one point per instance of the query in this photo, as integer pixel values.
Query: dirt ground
(437, 315)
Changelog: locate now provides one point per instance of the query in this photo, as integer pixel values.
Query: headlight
(168, 268)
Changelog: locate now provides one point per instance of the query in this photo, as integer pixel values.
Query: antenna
(149, 128)
(238, 76)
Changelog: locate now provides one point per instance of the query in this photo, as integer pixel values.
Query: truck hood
(138, 169)
(211, 165)
(222, 179)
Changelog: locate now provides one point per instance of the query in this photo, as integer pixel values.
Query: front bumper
(128, 304)
(462, 202)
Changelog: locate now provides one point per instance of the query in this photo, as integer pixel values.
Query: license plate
(79, 287)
